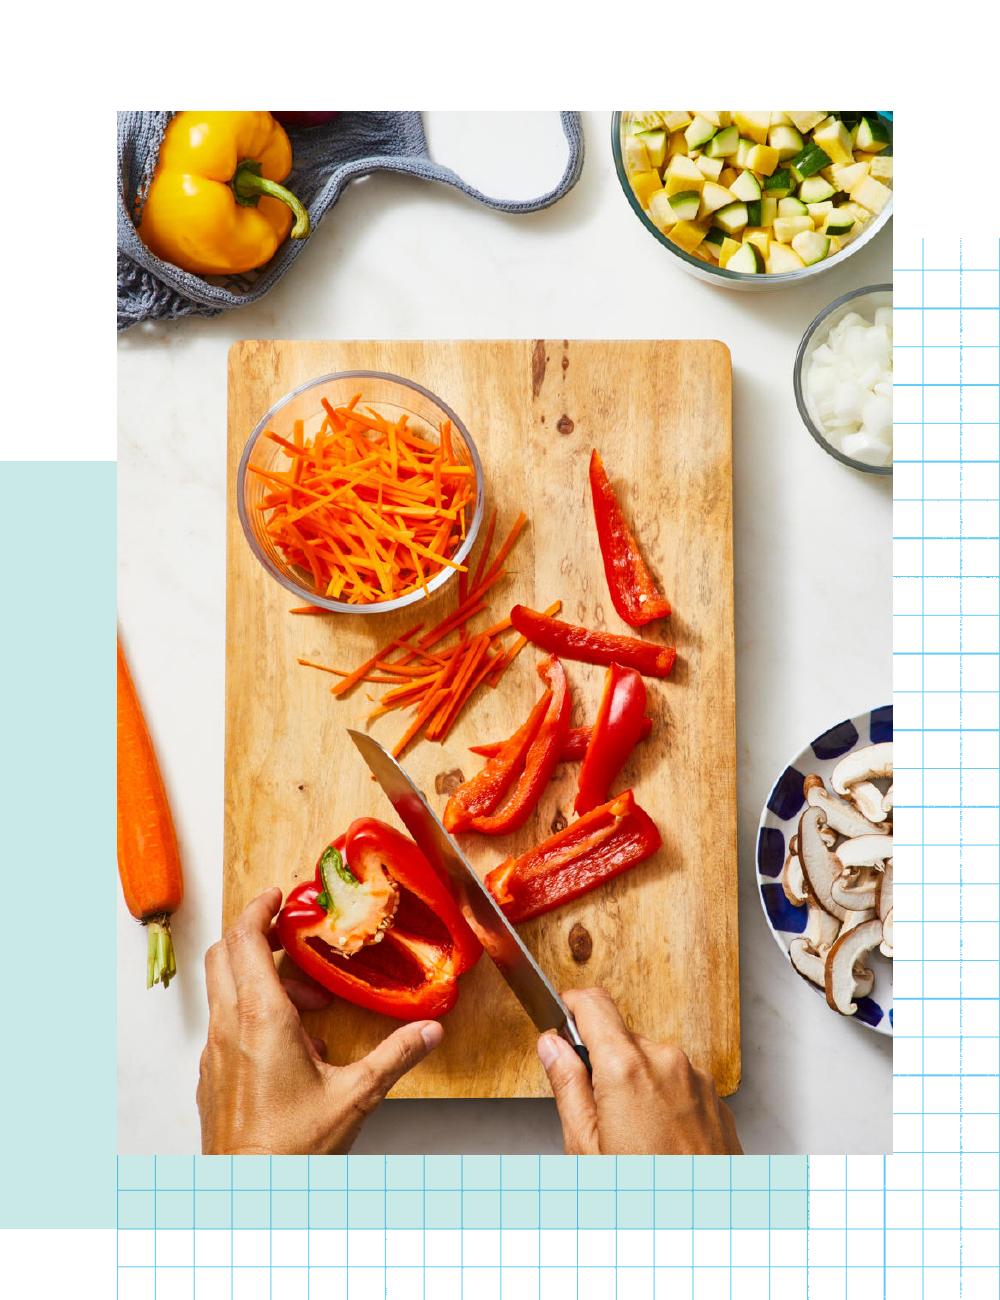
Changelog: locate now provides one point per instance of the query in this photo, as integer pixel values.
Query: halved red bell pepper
(574, 749)
(540, 761)
(379, 929)
(480, 796)
(634, 594)
(596, 847)
(572, 642)
(616, 731)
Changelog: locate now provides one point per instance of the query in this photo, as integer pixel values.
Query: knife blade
(515, 963)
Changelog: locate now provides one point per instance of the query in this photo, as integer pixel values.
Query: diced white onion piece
(848, 386)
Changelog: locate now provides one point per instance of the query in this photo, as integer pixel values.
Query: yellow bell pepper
(214, 204)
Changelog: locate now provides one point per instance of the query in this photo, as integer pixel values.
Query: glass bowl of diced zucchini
(757, 200)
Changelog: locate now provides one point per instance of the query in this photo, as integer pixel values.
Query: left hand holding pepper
(263, 1086)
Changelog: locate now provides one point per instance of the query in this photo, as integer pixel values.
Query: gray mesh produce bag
(325, 158)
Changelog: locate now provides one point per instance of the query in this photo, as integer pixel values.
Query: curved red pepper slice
(572, 642)
(616, 731)
(480, 796)
(411, 972)
(634, 594)
(596, 847)
(541, 760)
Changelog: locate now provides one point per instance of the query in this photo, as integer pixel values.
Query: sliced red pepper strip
(406, 938)
(480, 796)
(572, 642)
(540, 761)
(576, 743)
(596, 847)
(634, 594)
(616, 731)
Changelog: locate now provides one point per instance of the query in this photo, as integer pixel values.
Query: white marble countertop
(401, 258)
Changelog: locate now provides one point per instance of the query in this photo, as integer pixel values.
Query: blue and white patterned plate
(779, 822)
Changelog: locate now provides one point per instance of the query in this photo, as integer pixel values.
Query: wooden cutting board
(664, 935)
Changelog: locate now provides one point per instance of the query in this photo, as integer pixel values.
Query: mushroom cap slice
(865, 851)
(843, 984)
(883, 901)
(856, 889)
(867, 798)
(792, 882)
(886, 945)
(821, 929)
(854, 919)
(820, 865)
(842, 816)
(862, 765)
(807, 961)
(887, 800)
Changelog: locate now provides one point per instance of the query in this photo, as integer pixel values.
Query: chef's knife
(515, 963)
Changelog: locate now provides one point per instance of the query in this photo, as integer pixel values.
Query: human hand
(643, 1098)
(264, 1086)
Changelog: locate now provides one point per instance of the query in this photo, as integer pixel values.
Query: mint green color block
(519, 1209)
(252, 1173)
(443, 1173)
(635, 1209)
(596, 1172)
(328, 1209)
(481, 1208)
(174, 1173)
(213, 1209)
(788, 1209)
(480, 1173)
(750, 1210)
(135, 1210)
(597, 1209)
(442, 1209)
(557, 1209)
(136, 1172)
(711, 1172)
(404, 1209)
(635, 1172)
(365, 1209)
(251, 1209)
(672, 1209)
(212, 1173)
(788, 1172)
(519, 1172)
(289, 1209)
(174, 1209)
(289, 1173)
(328, 1173)
(558, 1172)
(750, 1173)
(675, 1172)
(405, 1172)
(366, 1173)
(711, 1209)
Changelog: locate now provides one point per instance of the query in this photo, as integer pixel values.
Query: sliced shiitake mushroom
(846, 974)
(856, 888)
(820, 865)
(841, 816)
(865, 851)
(867, 798)
(862, 765)
(883, 901)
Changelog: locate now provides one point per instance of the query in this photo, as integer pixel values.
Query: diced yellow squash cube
(828, 175)
(682, 174)
(636, 157)
(782, 259)
(727, 176)
(834, 139)
(727, 248)
(714, 196)
(711, 118)
(688, 234)
(703, 254)
(780, 119)
(753, 126)
(806, 121)
(656, 146)
(785, 229)
(710, 168)
(835, 244)
(677, 146)
(763, 159)
(758, 237)
(871, 194)
(645, 184)
(661, 213)
(676, 121)
(818, 212)
(859, 213)
(845, 178)
(880, 168)
(644, 121)
(725, 119)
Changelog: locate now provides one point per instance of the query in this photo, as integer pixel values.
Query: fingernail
(432, 1033)
(548, 1050)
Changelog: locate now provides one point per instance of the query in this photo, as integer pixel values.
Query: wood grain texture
(664, 935)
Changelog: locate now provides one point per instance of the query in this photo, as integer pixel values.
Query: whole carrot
(148, 862)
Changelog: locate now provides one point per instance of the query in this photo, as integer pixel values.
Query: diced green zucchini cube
(778, 184)
(710, 168)
(656, 146)
(814, 189)
(743, 152)
(714, 196)
(715, 238)
(838, 222)
(699, 133)
(732, 218)
(746, 187)
(685, 205)
(810, 161)
(768, 211)
(811, 247)
(753, 212)
(747, 261)
(724, 143)
(791, 207)
(873, 135)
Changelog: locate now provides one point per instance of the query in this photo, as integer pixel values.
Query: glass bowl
(390, 395)
(720, 275)
(864, 301)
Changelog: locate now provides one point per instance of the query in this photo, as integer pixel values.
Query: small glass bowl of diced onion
(843, 379)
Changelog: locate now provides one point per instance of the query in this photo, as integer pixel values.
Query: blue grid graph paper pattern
(920, 1223)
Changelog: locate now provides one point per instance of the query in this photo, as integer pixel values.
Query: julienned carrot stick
(148, 861)
(369, 664)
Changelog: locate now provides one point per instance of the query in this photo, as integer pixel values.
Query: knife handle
(570, 1032)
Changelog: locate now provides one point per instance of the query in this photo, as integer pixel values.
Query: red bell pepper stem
(408, 966)
(596, 847)
(616, 731)
(571, 642)
(634, 594)
(576, 743)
